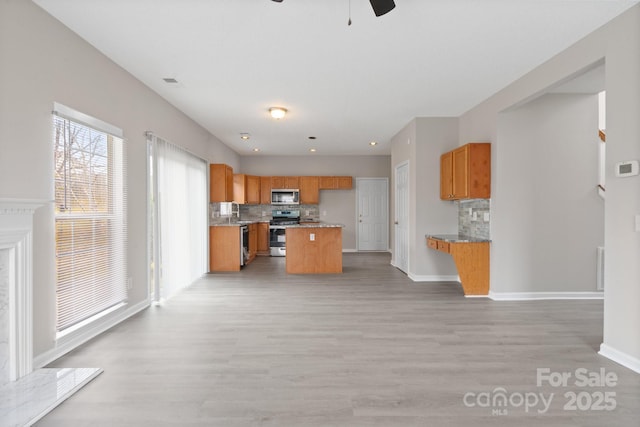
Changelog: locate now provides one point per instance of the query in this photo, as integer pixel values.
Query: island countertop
(456, 238)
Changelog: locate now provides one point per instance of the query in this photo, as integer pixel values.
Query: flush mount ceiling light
(312, 150)
(373, 143)
(277, 112)
(245, 136)
(256, 150)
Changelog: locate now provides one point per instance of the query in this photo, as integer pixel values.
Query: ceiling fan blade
(380, 7)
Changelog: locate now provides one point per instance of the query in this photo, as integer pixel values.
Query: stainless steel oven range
(277, 230)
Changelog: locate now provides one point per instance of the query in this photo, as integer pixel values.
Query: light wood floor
(365, 348)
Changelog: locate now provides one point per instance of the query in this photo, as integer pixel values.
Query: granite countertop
(301, 225)
(316, 225)
(238, 223)
(457, 238)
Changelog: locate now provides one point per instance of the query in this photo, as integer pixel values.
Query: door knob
(395, 222)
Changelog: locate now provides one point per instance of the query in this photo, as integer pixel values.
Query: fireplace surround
(25, 395)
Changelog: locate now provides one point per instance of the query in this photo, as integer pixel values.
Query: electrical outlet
(470, 211)
(129, 283)
(474, 217)
(486, 217)
(312, 237)
(324, 213)
(637, 222)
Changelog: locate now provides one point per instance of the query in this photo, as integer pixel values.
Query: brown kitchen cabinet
(285, 182)
(220, 183)
(246, 189)
(344, 182)
(446, 176)
(263, 238)
(465, 173)
(253, 241)
(224, 248)
(265, 190)
(309, 190)
(336, 182)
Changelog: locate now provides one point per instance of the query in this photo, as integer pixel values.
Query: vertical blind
(90, 221)
(179, 208)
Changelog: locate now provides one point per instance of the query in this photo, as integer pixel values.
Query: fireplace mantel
(16, 328)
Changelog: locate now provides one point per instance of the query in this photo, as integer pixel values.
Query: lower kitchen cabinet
(224, 248)
(253, 241)
(263, 238)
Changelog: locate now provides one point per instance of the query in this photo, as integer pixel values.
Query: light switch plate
(486, 217)
(312, 237)
(637, 222)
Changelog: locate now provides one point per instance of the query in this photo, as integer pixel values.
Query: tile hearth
(25, 401)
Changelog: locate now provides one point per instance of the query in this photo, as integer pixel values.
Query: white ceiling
(346, 85)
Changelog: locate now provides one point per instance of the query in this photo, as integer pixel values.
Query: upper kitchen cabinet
(336, 182)
(265, 190)
(465, 173)
(309, 190)
(246, 189)
(344, 182)
(220, 183)
(288, 182)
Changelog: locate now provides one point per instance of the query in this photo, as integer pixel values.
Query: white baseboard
(620, 357)
(530, 296)
(62, 347)
(433, 278)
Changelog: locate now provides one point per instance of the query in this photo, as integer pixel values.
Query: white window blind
(178, 212)
(90, 220)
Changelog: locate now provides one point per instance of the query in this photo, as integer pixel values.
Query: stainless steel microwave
(285, 197)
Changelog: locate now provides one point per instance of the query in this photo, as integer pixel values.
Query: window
(90, 217)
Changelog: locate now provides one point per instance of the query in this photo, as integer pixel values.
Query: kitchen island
(314, 248)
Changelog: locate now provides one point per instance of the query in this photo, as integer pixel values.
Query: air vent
(170, 80)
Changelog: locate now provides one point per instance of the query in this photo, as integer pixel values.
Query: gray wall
(42, 62)
(618, 43)
(421, 143)
(549, 152)
(337, 206)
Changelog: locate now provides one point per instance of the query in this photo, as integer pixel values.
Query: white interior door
(373, 214)
(401, 251)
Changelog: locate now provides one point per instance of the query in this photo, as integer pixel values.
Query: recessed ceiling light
(245, 136)
(313, 150)
(373, 143)
(170, 80)
(256, 149)
(277, 112)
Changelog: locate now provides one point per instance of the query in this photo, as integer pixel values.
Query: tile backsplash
(474, 218)
(263, 212)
